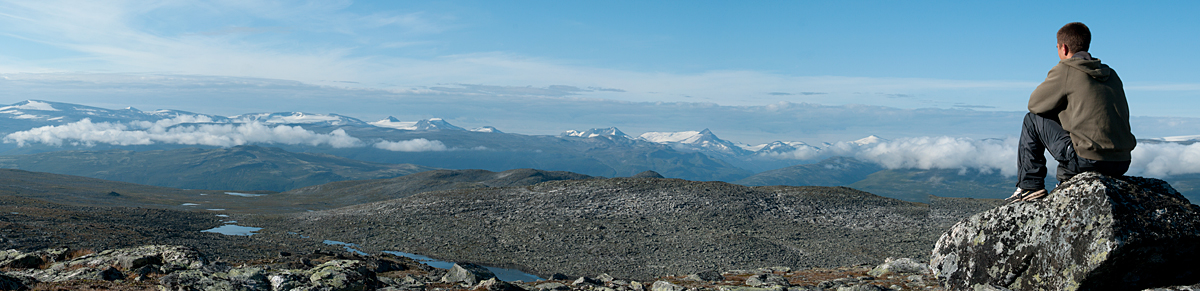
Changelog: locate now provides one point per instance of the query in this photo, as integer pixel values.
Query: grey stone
(860, 287)
(637, 286)
(19, 260)
(1094, 231)
(103, 273)
(286, 280)
(558, 276)
(708, 276)
(194, 280)
(585, 281)
(767, 280)
(494, 284)
(171, 257)
(1177, 288)
(665, 286)
(899, 267)
(467, 273)
(250, 278)
(15, 282)
(337, 275)
(551, 286)
(605, 278)
(744, 288)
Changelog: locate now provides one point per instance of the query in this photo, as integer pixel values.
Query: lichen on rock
(1093, 232)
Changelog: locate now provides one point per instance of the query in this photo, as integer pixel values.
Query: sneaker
(1035, 195)
(1026, 195)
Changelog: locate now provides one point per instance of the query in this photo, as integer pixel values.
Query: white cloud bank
(991, 155)
(168, 131)
(986, 155)
(413, 145)
(86, 132)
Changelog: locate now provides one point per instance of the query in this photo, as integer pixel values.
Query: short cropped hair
(1076, 36)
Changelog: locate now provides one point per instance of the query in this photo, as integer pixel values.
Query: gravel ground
(638, 227)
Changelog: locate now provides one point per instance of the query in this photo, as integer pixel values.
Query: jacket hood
(1092, 67)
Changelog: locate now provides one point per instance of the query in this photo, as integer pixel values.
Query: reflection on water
(501, 273)
(245, 194)
(230, 229)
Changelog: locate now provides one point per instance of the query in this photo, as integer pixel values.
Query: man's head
(1073, 37)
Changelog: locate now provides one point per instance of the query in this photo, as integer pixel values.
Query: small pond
(230, 229)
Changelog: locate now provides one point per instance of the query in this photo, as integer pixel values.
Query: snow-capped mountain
(299, 118)
(872, 139)
(487, 129)
(597, 132)
(42, 113)
(778, 147)
(421, 125)
(704, 141)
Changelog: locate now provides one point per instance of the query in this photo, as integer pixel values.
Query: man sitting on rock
(1079, 114)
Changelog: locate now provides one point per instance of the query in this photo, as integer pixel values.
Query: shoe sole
(1039, 194)
(1017, 196)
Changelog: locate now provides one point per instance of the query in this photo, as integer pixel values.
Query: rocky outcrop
(1094, 232)
(183, 268)
(180, 268)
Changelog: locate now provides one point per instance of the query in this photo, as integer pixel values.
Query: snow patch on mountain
(31, 105)
(779, 150)
(421, 125)
(703, 141)
(487, 129)
(776, 146)
(392, 122)
(296, 118)
(869, 140)
(670, 137)
(597, 132)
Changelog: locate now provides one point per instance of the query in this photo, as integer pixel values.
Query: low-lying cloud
(413, 145)
(86, 132)
(1165, 159)
(990, 155)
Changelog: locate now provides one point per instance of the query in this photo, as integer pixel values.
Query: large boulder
(468, 273)
(1094, 232)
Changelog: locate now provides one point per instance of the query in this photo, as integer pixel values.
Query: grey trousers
(1040, 134)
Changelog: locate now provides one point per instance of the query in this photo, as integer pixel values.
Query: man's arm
(1050, 97)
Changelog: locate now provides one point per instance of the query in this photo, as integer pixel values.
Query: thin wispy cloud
(117, 36)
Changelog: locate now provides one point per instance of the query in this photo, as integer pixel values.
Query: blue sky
(370, 59)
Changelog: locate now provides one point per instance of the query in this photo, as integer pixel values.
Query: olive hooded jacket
(1087, 98)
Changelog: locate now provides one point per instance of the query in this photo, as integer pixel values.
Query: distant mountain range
(200, 151)
(237, 168)
(51, 126)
